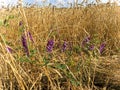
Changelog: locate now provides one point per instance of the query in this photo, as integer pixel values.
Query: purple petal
(24, 44)
(50, 42)
(91, 47)
(9, 49)
(64, 46)
(50, 45)
(102, 46)
(20, 23)
(30, 36)
(86, 40)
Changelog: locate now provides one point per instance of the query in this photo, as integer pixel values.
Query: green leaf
(32, 52)
(60, 66)
(24, 59)
(46, 60)
(74, 82)
(77, 49)
(1, 22)
(11, 17)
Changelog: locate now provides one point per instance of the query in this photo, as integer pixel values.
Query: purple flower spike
(24, 44)
(50, 45)
(91, 47)
(64, 46)
(30, 36)
(102, 46)
(86, 40)
(9, 49)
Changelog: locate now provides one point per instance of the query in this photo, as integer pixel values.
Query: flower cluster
(24, 44)
(86, 40)
(24, 38)
(50, 45)
(64, 46)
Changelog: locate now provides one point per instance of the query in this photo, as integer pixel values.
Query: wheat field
(53, 48)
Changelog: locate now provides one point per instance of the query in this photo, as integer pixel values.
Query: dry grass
(74, 69)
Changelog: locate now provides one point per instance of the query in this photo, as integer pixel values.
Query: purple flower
(9, 49)
(50, 45)
(91, 47)
(30, 36)
(86, 40)
(64, 46)
(102, 46)
(20, 23)
(24, 44)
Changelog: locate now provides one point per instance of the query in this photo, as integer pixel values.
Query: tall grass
(69, 48)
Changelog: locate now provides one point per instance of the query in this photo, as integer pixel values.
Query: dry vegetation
(46, 66)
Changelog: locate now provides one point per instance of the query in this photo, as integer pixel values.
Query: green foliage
(1, 22)
(6, 23)
(77, 49)
(11, 17)
(33, 52)
(60, 66)
(46, 59)
(25, 59)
